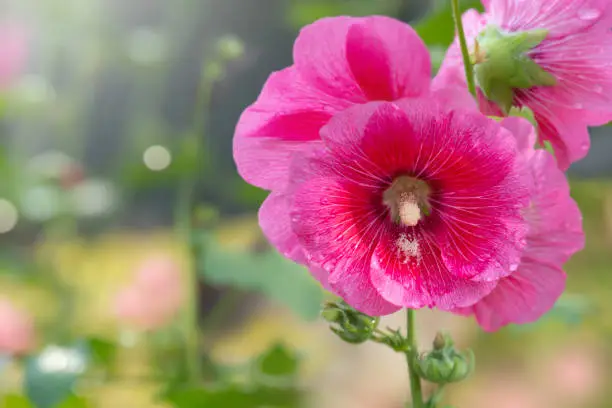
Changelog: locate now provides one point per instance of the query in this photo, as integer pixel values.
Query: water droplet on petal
(578, 105)
(324, 201)
(589, 14)
(513, 267)
(585, 146)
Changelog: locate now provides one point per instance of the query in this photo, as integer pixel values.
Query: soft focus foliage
(110, 109)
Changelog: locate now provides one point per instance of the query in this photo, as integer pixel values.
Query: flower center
(407, 200)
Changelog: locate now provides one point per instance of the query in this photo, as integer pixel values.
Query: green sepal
(502, 64)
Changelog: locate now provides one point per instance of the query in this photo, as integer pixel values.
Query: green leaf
(101, 352)
(267, 272)
(15, 401)
(51, 375)
(234, 397)
(303, 12)
(74, 401)
(439, 28)
(278, 361)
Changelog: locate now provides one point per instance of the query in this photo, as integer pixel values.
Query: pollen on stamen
(409, 210)
(407, 200)
(407, 249)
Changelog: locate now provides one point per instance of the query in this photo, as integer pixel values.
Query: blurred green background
(109, 110)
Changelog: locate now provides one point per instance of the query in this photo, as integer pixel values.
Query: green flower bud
(230, 47)
(444, 364)
(349, 324)
(502, 64)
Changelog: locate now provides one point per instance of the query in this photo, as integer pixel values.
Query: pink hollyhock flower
(555, 234)
(404, 204)
(13, 52)
(154, 298)
(575, 56)
(16, 330)
(338, 62)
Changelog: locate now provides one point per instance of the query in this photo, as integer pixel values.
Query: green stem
(469, 69)
(184, 226)
(415, 381)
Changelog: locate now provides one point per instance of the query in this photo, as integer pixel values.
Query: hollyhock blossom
(13, 52)
(555, 233)
(338, 62)
(154, 298)
(16, 330)
(569, 89)
(404, 204)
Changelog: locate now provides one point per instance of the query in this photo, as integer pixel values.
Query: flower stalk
(467, 63)
(415, 382)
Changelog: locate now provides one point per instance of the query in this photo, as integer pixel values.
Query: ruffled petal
(288, 113)
(275, 223)
(361, 59)
(521, 298)
(555, 234)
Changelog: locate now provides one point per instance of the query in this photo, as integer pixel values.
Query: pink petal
(288, 114)
(360, 59)
(560, 17)
(568, 135)
(524, 133)
(320, 57)
(555, 234)
(582, 64)
(452, 96)
(319, 233)
(555, 220)
(520, 298)
(352, 282)
(423, 280)
(276, 225)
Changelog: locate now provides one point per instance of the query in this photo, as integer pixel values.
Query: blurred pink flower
(13, 52)
(577, 51)
(155, 296)
(500, 392)
(404, 204)
(555, 234)
(575, 373)
(338, 62)
(17, 335)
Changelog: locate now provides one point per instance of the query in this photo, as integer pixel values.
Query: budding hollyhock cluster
(396, 191)
(155, 296)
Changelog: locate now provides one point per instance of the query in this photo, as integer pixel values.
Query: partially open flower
(552, 56)
(405, 204)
